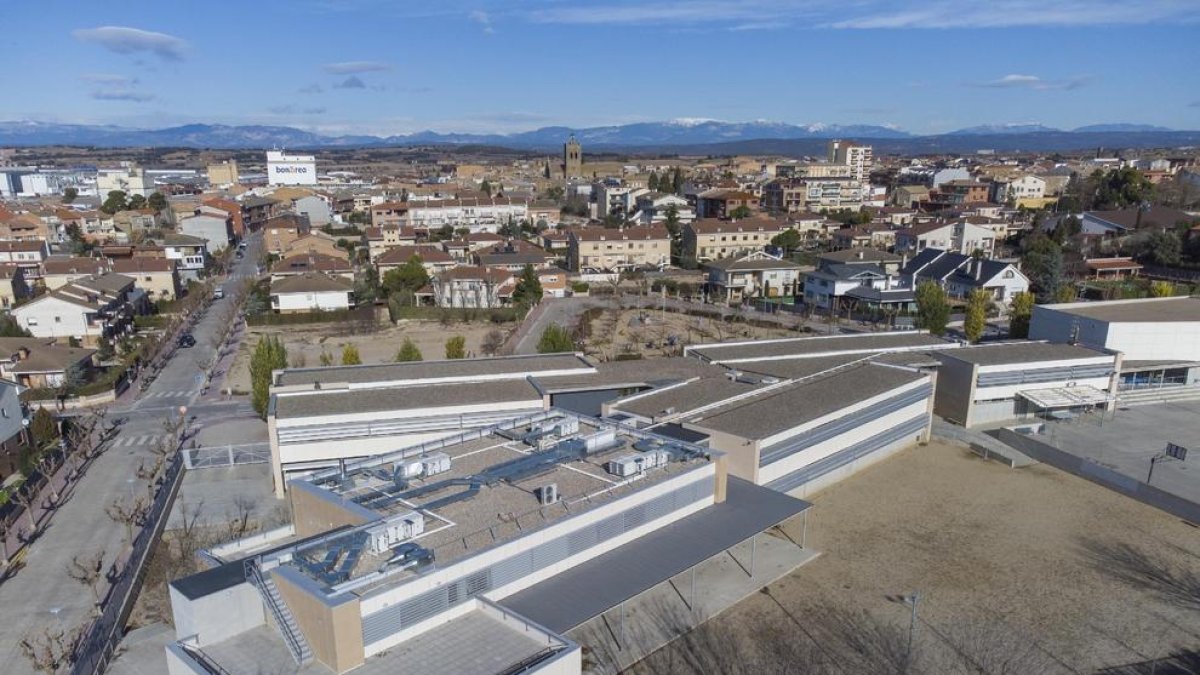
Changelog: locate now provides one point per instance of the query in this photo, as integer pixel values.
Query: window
(31, 321)
(58, 319)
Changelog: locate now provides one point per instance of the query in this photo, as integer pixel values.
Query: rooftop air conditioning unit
(547, 494)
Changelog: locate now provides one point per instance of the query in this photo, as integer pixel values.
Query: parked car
(219, 292)
(186, 340)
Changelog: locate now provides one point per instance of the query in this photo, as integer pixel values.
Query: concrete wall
(315, 511)
(218, 616)
(332, 626)
(1058, 326)
(955, 390)
(845, 471)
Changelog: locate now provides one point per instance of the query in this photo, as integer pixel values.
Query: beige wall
(158, 285)
(613, 252)
(741, 455)
(313, 514)
(333, 631)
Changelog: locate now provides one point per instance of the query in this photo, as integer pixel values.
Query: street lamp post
(913, 599)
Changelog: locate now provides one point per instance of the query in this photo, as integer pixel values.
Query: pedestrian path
(170, 393)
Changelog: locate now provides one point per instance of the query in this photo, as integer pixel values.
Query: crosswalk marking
(134, 440)
(173, 393)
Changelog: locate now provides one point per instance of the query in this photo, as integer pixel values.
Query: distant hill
(685, 136)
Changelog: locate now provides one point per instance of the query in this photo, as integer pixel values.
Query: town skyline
(362, 67)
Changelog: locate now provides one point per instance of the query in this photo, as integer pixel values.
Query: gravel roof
(1152, 309)
(1020, 352)
(813, 346)
(420, 370)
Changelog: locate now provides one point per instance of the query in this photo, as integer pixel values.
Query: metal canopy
(1066, 397)
(585, 591)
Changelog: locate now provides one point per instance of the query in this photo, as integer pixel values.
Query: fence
(1102, 475)
(226, 455)
(100, 640)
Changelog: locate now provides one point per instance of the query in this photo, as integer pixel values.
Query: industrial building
(468, 554)
(1159, 337)
(993, 383)
(284, 169)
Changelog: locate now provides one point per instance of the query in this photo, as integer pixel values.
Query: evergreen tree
(269, 355)
(652, 182)
(114, 202)
(976, 318)
(157, 201)
(408, 352)
(529, 289)
(933, 311)
(69, 195)
(1019, 315)
(677, 181)
(456, 347)
(485, 187)
(410, 276)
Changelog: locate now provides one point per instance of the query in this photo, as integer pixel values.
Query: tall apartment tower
(854, 155)
(572, 165)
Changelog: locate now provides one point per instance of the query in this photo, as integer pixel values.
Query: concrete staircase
(284, 621)
(1171, 394)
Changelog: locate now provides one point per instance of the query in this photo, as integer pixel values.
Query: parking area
(1127, 440)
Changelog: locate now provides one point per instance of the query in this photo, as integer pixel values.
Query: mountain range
(675, 135)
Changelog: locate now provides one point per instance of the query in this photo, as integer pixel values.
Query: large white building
(1159, 337)
(284, 169)
(859, 157)
(476, 215)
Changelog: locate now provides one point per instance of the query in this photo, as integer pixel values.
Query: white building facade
(284, 169)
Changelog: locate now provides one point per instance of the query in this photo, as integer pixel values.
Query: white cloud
(1018, 81)
(355, 67)
(869, 14)
(122, 95)
(109, 79)
(126, 40)
(483, 19)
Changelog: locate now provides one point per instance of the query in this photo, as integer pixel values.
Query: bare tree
(239, 523)
(88, 570)
(51, 649)
(493, 340)
(130, 512)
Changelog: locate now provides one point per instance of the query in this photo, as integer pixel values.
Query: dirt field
(633, 330)
(1019, 571)
(308, 341)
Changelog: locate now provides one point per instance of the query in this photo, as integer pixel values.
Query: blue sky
(383, 67)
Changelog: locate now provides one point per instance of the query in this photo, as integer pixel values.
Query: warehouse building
(474, 553)
(989, 384)
(1159, 337)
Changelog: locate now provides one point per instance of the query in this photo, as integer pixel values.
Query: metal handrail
(255, 575)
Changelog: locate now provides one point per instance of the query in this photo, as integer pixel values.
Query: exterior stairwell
(284, 621)
(1187, 392)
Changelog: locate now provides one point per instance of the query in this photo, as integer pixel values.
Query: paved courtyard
(1126, 441)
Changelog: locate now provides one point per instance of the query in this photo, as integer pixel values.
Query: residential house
(878, 236)
(1126, 221)
(280, 231)
(630, 248)
(40, 363)
(389, 214)
(315, 208)
(28, 255)
(59, 271)
(156, 276)
(12, 285)
(85, 309)
(514, 255)
(961, 274)
(1026, 190)
(473, 287)
(190, 255)
(721, 203)
(433, 259)
(311, 292)
(909, 196)
(791, 195)
(841, 287)
(711, 239)
(304, 263)
(543, 213)
(1111, 268)
(237, 217)
(476, 215)
(380, 239)
(959, 236)
(459, 249)
(556, 241)
(138, 220)
(653, 208)
(213, 229)
(890, 263)
(756, 274)
(954, 193)
(315, 242)
(14, 432)
(257, 211)
(554, 283)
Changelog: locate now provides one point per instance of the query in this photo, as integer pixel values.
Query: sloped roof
(310, 282)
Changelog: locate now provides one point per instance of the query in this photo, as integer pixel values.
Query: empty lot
(1019, 571)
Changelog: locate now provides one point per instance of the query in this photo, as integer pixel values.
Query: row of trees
(118, 200)
(933, 312)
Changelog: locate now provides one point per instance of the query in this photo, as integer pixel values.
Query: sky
(490, 66)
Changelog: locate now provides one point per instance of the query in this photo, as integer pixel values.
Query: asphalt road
(42, 594)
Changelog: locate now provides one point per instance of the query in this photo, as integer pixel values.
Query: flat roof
(420, 370)
(641, 373)
(588, 590)
(685, 397)
(1145, 309)
(771, 412)
(410, 397)
(1021, 352)
(480, 499)
(816, 345)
